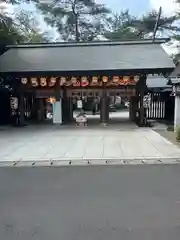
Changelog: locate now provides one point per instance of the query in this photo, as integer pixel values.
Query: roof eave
(109, 72)
(94, 43)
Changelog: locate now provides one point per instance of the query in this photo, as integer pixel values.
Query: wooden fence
(160, 106)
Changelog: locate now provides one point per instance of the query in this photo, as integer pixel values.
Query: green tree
(29, 27)
(120, 27)
(8, 32)
(146, 24)
(20, 26)
(124, 26)
(76, 20)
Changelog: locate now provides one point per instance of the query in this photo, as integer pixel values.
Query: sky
(138, 7)
(118, 5)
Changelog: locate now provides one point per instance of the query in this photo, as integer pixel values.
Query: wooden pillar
(41, 110)
(70, 109)
(134, 102)
(104, 108)
(21, 108)
(57, 94)
(142, 88)
(131, 108)
(65, 107)
(34, 108)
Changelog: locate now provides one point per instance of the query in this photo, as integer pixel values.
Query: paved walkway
(77, 145)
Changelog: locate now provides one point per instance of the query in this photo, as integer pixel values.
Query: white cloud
(168, 6)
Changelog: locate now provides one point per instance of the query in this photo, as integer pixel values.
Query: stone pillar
(57, 108)
(104, 108)
(177, 112)
(57, 112)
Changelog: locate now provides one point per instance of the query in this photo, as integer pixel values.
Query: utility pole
(157, 24)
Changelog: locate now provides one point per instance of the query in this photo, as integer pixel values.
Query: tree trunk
(76, 28)
(76, 21)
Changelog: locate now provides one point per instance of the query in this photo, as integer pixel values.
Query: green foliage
(81, 20)
(20, 26)
(124, 26)
(28, 26)
(8, 32)
(76, 20)
(146, 23)
(121, 27)
(178, 133)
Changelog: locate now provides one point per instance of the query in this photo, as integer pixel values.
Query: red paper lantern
(84, 82)
(121, 81)
(115, 79)
(34, 82)
(136, 78)
(74, 80)
(126, 80)
(24, 80)
(94, 80)
(62, 81)
(43, 82)
(105, 79)
(52, 81)
(131, 81)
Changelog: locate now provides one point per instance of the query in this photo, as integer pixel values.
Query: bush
(178, 133)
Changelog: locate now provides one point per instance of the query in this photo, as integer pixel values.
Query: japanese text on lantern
(83, 81)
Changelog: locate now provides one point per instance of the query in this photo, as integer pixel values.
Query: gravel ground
(169, 135)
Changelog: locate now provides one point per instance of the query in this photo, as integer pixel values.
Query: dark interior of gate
(82, 83)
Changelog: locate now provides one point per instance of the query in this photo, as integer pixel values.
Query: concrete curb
(89, 162)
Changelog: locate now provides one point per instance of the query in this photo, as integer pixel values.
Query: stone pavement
(58, 145)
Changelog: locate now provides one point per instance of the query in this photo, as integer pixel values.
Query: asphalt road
(90, 203)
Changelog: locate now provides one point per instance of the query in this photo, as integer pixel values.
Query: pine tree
(76, 20)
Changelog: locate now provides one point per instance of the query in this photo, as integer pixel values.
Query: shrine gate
(63, 72)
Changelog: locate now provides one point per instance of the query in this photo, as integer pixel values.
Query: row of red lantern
(83, 81)
(43, 81)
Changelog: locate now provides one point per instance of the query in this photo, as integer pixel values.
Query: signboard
(177, 90)
(14, 103)
(176, 80)
(57, 112)
(79, 104)
(146, 101)
(173, 93)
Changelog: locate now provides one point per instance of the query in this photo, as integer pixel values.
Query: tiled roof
(106, 56)
(157, 82)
